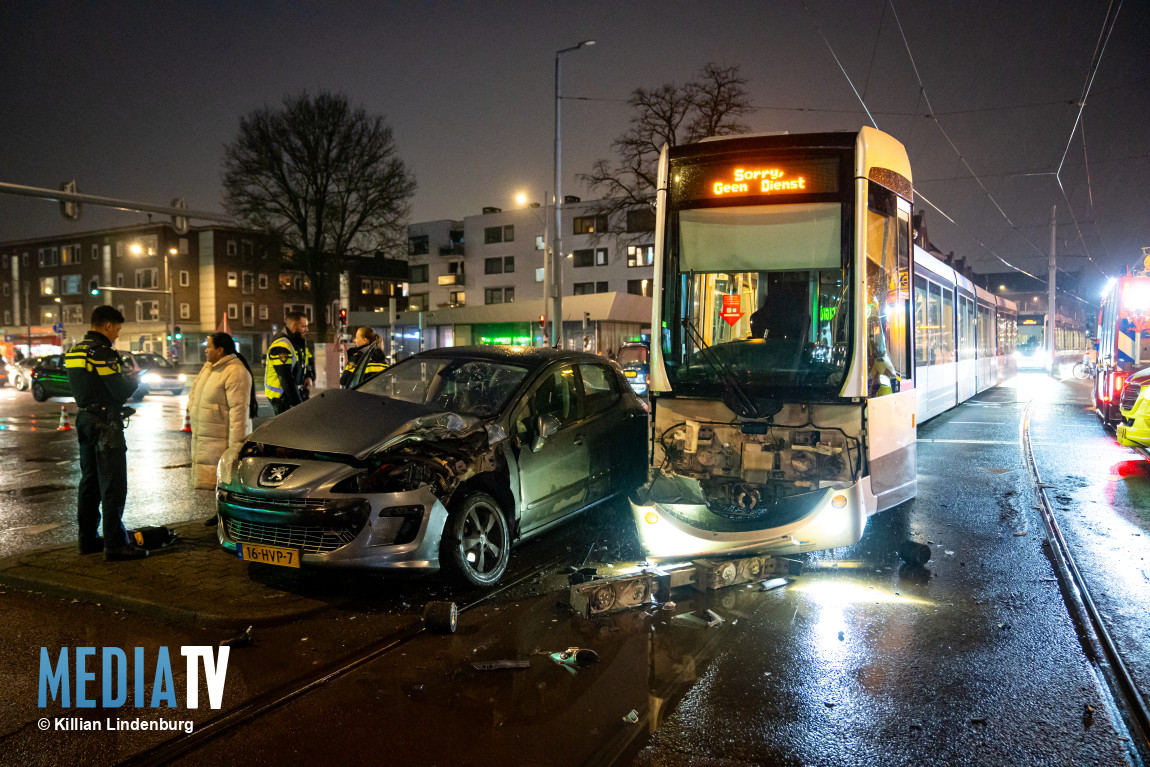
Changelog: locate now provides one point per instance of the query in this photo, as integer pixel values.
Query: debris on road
(441, 617)
(772, 583)
(1020, 534)
(242, 639)
(496, 665)
(632, 718)
(573, 658)
(914, 553)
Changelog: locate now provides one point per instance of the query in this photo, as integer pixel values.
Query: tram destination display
(693, 181)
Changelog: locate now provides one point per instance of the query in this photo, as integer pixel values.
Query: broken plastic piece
(714, 619)
(772, 583)
(242, 639)
(495, 665)
(632, 718)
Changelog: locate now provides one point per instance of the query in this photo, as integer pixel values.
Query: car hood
(353, 423)
(1141, 378)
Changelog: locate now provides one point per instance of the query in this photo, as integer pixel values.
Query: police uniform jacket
(284, 372)
(94, 372)
(376, 363)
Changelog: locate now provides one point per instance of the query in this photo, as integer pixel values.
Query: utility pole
(1052, 345)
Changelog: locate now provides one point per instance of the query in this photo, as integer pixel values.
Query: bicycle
(1085, 370)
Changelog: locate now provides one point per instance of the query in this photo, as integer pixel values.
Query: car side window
(599, 387)
(554, 395)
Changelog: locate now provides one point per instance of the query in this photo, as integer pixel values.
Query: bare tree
(709, 105)
(324, 181)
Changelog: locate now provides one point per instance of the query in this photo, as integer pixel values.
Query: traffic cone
(187, 421)
(64, 425)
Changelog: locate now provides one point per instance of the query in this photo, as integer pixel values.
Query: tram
(1123, 342)
(786, 378)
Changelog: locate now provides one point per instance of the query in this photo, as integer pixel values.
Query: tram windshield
(762, 298)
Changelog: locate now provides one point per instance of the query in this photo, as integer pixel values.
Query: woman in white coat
(219, 407)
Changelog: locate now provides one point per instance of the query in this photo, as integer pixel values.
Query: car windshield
(153, 361)
(632, 355)
(467, 386)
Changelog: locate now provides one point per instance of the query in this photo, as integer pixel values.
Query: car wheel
(441, 617)
(21, 383)
(476, 541)
(38, 392)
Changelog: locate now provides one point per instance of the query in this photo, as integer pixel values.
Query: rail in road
(1096, 636)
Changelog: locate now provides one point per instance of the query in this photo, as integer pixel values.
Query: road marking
(33, 529)
(24, 473)
(997, 423)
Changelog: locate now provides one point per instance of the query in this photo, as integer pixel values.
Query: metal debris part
(496, 665)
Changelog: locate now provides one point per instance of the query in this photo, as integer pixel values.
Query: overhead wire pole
(1052, 344)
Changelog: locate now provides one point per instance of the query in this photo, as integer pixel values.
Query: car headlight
(226, 468)
(181, 378)
(149, 378)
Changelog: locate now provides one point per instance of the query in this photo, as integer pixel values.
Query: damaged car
(443, 461)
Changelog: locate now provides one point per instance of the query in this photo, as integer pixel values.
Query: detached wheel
(476, 541)
(38, 392)
(441, 617)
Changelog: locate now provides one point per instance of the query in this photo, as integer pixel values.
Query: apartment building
(221, 278)
(480, 279)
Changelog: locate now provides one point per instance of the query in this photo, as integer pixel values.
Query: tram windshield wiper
(735, 397)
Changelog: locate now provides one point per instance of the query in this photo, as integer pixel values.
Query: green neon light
(827, 313)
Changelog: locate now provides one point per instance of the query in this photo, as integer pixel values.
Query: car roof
(530, 357)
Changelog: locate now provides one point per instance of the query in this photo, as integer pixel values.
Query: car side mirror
(545, 426)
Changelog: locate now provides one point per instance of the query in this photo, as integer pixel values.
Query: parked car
(156, 373)
(20, 373)
(635, 359)
(50, 379)
(444, 460)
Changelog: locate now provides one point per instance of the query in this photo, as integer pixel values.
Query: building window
(493, 296)
(364, 286)
(249, 314)
(246, 248)
(419, 273)
(248, 283)
(49, 256)
(418, 246)
(494, 234)
(185, 278)
(70, 285)
(508, 264)
(583, 258)
(509, 295)
(641, 220)
(640, 255)
(583, 288)
(233, 280)
(48, 315)
(185, 311)
(263, 311)
(70, 254)
(233, 311)
(417, 302)
(24, 259)
(5, 289)
(539, 274)
(601, 287)
(231, 247)
(95, 252)
(639, 287)
(539, 244)
(493, 266)
(263, 282)
(48, 286)
(305, 308)
(457, 298)
(72, 314)
(147, 310)
(590, 224)
(148, 279)
(7, 317)
(120, 282)
(600, 257)
(379, 287)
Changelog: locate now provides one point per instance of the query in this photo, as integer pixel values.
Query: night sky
(136, 100)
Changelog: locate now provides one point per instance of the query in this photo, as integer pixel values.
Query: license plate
(629, 373)
(268, 555)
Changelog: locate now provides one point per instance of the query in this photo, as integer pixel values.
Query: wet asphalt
(861, 660)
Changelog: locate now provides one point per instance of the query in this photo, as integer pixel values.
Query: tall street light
(557, 251)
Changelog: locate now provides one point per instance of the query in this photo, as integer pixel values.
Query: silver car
(444, 460)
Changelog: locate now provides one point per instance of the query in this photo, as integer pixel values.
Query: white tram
(785, 388)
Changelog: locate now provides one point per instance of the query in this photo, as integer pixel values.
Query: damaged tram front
(783, 403)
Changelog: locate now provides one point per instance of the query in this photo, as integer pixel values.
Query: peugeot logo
(274, 475)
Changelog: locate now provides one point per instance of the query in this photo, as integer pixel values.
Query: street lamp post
(557, 252)
(170, 335)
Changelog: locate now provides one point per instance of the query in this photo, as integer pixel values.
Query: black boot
(124, 553)
(92, 546)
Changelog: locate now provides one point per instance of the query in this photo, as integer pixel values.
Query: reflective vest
(94, 373)
(280, 352)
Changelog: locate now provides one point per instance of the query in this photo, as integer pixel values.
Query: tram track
(1093, 631)
(181, 746)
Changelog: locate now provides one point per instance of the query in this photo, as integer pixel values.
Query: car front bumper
(1136, 433)
(384, 531)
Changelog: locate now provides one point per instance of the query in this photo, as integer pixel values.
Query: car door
(553, 470)
(602, 425)
(53, 376)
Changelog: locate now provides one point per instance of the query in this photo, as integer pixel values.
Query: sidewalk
(194, 582)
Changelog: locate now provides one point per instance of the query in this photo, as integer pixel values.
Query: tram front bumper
(837, 518)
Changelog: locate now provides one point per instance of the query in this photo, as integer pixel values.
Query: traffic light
(343, 316)
(179, 334)
(542, 322)
(94, 287)
(586, 320)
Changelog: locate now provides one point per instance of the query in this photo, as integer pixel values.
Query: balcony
(455, 249)
(450, 279)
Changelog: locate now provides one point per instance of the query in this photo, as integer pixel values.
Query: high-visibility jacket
(95, 375)
(376, 364)
(283, 373)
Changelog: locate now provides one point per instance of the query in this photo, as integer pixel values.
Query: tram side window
(886, 298)
(947, 338)
(934, 325)
(966, 323)
(921, 323)
(985, 333)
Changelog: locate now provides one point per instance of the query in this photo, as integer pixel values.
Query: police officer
(376, 361)
(101, 389)
(287, 364)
